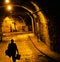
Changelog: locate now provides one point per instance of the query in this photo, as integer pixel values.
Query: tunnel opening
(17, 21)
(21, 10)
(16, 24)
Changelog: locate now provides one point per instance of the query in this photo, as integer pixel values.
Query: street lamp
(7, 1)
(9, 7)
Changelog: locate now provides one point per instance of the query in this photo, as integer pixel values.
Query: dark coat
(12, 48)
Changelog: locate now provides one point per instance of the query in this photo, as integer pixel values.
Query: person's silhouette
(13, 49)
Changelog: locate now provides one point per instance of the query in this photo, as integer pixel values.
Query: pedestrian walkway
(45, 49)
(30, 48)
(26, 48)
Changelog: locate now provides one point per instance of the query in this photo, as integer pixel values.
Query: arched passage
(35, 15)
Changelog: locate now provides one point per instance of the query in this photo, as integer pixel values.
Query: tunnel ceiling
(17, 10)
(50, 8)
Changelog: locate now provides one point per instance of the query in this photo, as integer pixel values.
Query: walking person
(12, 50)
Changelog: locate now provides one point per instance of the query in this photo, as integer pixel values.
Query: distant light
(9, 7)
(7, 1)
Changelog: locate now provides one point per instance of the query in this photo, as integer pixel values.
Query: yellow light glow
(43, 25)
(9, 7)
(7, 23)
(7, 1)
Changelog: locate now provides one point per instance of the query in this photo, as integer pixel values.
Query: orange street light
(9, 7)
(7, 1)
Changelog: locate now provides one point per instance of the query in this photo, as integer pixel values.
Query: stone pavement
(45, 49)
(27, 50)
(30, 49)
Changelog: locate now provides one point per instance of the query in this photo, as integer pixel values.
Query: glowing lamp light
(9, 8)
(7, 1)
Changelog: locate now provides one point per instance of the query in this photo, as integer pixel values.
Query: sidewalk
(45, 49)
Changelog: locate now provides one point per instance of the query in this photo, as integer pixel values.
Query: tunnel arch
(25, 9)
(37, 15)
